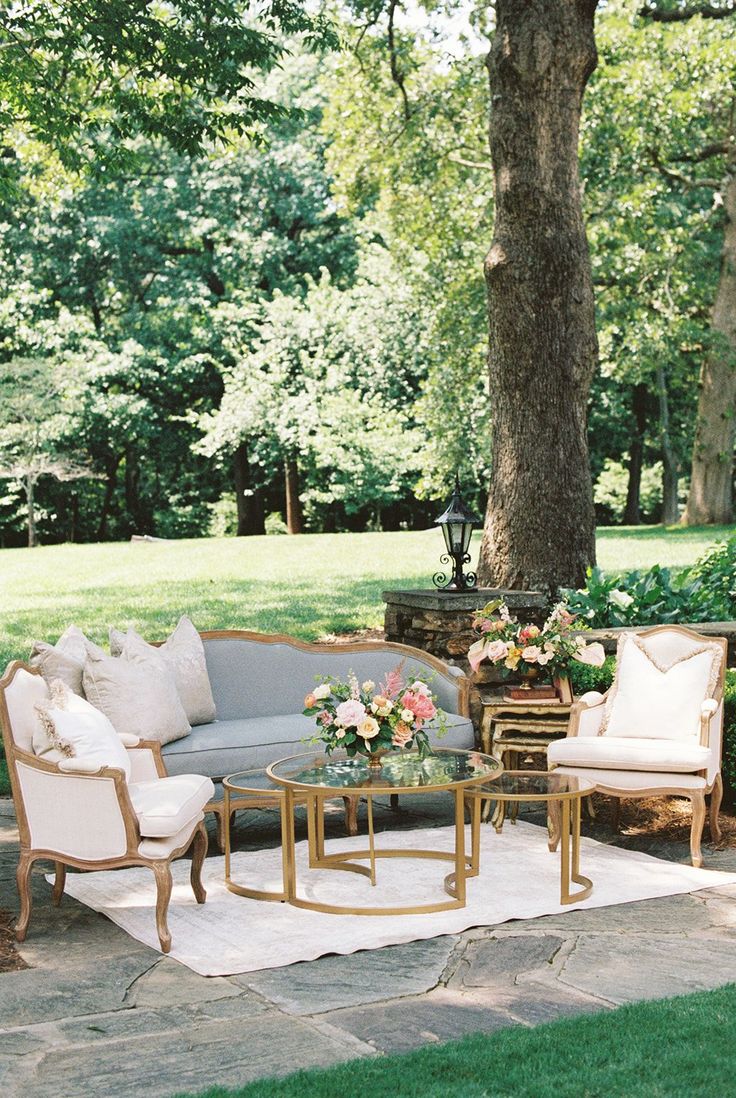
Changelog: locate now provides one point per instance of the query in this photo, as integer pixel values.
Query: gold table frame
(291, 793)
(564, 809)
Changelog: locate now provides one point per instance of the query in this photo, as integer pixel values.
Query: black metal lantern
(457, 523)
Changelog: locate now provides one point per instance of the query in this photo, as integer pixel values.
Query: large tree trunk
(251, 519)
(294, 518)
(711, 479)
(111, 481)
(540, 527)
(670, 467)
(632, 511)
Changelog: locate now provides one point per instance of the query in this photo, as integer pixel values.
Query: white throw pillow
(652, 701)
(182, 655)
(64, 660)
(70, 728)
(139, 701)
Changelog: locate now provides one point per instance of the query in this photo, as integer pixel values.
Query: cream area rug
(519, 879)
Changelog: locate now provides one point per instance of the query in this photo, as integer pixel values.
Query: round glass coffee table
(316, 778)
(563, 794)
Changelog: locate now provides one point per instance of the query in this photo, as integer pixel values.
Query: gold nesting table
(313, 778)
(563, 794)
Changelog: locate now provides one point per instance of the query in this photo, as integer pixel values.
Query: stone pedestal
(441, 623)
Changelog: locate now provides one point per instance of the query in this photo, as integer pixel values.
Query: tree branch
(685, 181)
(396, 74)
(682, 14)
(482, 165)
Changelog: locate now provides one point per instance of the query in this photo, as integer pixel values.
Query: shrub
(729, 735)
(705, 592)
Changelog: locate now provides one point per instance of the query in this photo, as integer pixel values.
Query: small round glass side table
(318, 778)
(564, 794)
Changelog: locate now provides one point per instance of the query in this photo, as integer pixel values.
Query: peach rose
(402, 735)
(309, 701)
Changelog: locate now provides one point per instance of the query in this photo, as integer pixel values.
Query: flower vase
(375, 760)
(528, 676)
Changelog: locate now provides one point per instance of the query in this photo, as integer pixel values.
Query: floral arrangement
(527, 649)
(369, 721)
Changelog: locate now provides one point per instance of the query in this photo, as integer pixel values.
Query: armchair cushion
(70, 728)
(660, 698)
(630, 753)
(164, 807)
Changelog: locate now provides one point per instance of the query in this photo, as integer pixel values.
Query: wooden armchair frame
(113, 795)
(586, 717)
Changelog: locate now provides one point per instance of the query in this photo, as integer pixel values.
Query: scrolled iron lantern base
(459, 582)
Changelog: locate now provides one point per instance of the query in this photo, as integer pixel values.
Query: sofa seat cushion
(165, 806)
(226, 747)
(630, 781)
(630, 753)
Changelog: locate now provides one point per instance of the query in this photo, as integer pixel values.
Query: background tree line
(290, 328)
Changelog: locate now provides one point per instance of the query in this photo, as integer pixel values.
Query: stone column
(441, 623)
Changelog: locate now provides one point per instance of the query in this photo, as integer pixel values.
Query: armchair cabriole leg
(199, 850)
(715, 803)
(351, 814)
(59, 882)
(23, 879)
(162, 873)
(696, 833)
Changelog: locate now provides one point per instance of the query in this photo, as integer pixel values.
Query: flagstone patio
(97, 1013)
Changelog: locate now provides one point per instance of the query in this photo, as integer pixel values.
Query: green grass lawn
(683, 1046)
(306, 586)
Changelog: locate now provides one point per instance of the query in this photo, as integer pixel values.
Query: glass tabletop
(252, 781)
(445, 768)
(535, 785)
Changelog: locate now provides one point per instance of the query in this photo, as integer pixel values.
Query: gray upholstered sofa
(259, 683)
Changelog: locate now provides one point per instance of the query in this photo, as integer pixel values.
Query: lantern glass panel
(447, 535)
(466, 533)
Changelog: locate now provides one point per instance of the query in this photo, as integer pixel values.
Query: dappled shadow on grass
(679, 533)
(296, 607)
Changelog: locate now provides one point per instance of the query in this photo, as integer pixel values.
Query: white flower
(407, 715)
(368, 685)
(321, 691)
(419, 687)
(620, 598)
(368, 728)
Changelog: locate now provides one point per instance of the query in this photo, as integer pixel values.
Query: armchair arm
(74, 814)
(146, 761)
(711, 719)
(586, 714)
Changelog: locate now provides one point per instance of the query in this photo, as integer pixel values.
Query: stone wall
(609, 637)
(441, 623)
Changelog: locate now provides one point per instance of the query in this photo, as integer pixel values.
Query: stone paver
(99, 1014)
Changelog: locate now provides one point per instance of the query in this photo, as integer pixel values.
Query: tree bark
(632, 511)
(294, 517)
(540, 525)
(670, 468)
(111, 480)
(30, 487)
(710, 499)
(251, 519)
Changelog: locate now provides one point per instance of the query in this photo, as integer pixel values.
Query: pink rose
(531, 653)
(325, 718)
(496, 651)
(421, 706)
(350, 712)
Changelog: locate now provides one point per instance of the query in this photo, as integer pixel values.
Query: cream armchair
(73, 816)
(658, 730)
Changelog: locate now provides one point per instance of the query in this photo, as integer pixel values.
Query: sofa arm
(711, 721)
(586, 714)
(87, 817)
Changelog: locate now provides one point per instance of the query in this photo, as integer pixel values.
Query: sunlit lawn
(306, 586)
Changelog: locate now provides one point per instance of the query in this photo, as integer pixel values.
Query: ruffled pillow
(69, 727)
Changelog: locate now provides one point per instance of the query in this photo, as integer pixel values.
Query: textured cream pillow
(182, 655)
(64, 660)
(70, 728)
(658, 702)
(139, 701)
